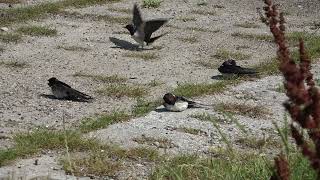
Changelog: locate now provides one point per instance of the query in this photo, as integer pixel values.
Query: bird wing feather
(153, 25)
(137, 19)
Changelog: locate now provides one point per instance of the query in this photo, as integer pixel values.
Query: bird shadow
(160, 110)
(48, 96)
(122, 44)
(235, 76)
(218, 77)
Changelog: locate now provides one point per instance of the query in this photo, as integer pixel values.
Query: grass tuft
(229, 165)
(92, 124)
(10, 1)
(122, 90)
(215, 122)
(104, 79)
(207, 64)
(155, 83)
(270, 67)
(194, 90)
(260, 37)
(13, 64)
(202, 12)
(151, 3)
(91, 164)
(158, 142)
(312, 43)
(37, 31)
(74, 48)
(243, 109)
(247, 25)
(139, 55)
(142, 153)
(259, 143)
(23, 14)
(143, 107)
(10, 37)
(187, 19)
(120, 10)
(225, 54)
(191, 131)
(190, 40)
(94, 17)
(43, 139)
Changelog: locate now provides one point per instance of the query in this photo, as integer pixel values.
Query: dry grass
(203, 12)
(92, 164)
(224, 54)
(253, 111)
(74, 48)
(29, 143)
(247, 25)
(37, 31)
(259, 143)
(13, 64)
(158, 142)
(104, 160)
(193, 90)
(11, 1)
(122, 90)
(142, 55)
(10, 37)
(104, 79)
(143, 107)
(218, 6)
(260, 37)
(191, 131)
(190, 40)
(151, 3)
(207, 64)
(94, 17)
(187, 19)
(198, 29)
(103, 121)
(120, 10)
(155, 83)
(23, 14)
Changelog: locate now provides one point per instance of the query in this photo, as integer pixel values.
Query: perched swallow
(62, 90)
(141, 30)
(179, 103)
(230, 67)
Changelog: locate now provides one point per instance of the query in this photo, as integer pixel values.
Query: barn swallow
(141, 30)
(179, 103)
(230, 67)
(62, 90)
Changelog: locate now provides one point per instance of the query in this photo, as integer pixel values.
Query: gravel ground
(22, 108)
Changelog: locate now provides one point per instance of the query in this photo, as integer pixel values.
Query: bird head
(52, 81)
(130, 28)
(229, 62)
(169, 98)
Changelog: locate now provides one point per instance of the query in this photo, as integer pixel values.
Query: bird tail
(192, 104)
(82, 97)
(155, 38)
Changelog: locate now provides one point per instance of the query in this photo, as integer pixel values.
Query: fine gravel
(184, 55)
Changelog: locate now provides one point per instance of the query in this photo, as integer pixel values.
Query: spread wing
(153, 25)
(137, 19)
